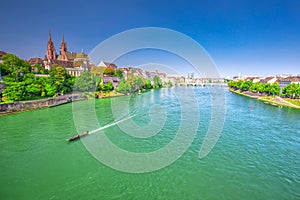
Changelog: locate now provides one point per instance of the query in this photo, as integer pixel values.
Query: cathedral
(74, 63)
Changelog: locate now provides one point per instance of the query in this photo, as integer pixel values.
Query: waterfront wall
(37, 104)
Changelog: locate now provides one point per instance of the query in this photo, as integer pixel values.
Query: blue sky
(248, 37)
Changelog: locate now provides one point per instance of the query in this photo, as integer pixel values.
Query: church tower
(63, 49)
(51, 54)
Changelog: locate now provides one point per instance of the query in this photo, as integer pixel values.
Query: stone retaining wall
(36, 104)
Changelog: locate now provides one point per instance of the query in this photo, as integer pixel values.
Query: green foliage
(31, 87)
(14, 67)
(85, 82)
(292, 91)
(98, 71)
(235, 84)
(275, 89)
(148, 84)
(38, 69)
(245, 86)
(21, 84)
(106, 87)
(109, 71)
(123, 87)
(119, 73)
(157, 81)
(59, 80)
(255, 87)
(14, 91)
(138, 82)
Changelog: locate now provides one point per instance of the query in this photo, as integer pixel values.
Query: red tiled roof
(66, 64)
(2, 53)
(266, 79)
(290, 79)
(33, 61)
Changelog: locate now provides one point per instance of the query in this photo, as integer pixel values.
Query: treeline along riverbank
(269, 93)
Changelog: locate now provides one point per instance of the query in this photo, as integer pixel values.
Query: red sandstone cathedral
(74, 63)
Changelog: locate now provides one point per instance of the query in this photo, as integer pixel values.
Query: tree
(59, 79)
(275, 89)
(85, 82)
(15, 67)
(148, 84)
(255, 87)
(106, 87)
(292, 91)
(157, 81)
(14, 91)
(266, 88)
(123, 87)
(138, 82)
(245, 86)
(109, 71)
(38, 69)
(98, 71)
(119, 73)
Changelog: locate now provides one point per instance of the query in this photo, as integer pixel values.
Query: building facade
(74, 63)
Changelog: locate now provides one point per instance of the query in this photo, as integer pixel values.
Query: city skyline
(248, 37)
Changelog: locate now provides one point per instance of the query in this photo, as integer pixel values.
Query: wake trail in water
(111, 124)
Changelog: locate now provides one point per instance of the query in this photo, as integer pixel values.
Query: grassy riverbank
(271, 100)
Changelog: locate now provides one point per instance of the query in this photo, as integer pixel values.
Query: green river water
(256, 157)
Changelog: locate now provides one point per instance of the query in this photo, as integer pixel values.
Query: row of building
(77, 62)
(282, 80)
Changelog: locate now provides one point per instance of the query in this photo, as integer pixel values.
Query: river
(256, 157)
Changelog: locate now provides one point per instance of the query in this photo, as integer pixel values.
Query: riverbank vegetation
(291, 91)
(269, 93)
(23, 82)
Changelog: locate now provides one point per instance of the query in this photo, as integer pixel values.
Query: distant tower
(63, 49)
(51, 54)
(190, 75)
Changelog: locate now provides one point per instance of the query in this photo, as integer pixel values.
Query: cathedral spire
(63, 49)
(50, 38)
(51, 54)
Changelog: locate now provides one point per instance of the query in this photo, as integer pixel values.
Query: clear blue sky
(248, 37)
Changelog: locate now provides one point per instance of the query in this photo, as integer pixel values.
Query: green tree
(255, 87)
(292, 91)
(119, 73)
(157, 81)
(148, 84)
(59, 80)
(38, 69)
(245, 86)
(15, 67)
(138, 82)
(14, 91)
(98, 71)
(109, 71)
(123, 87)
(267, 88)
(275, 89)
(85, 82)
(106, 87)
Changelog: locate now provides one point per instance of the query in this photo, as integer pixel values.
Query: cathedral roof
(81, 55)
(71, 55)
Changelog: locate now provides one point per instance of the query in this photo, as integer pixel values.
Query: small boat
(75, 137)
